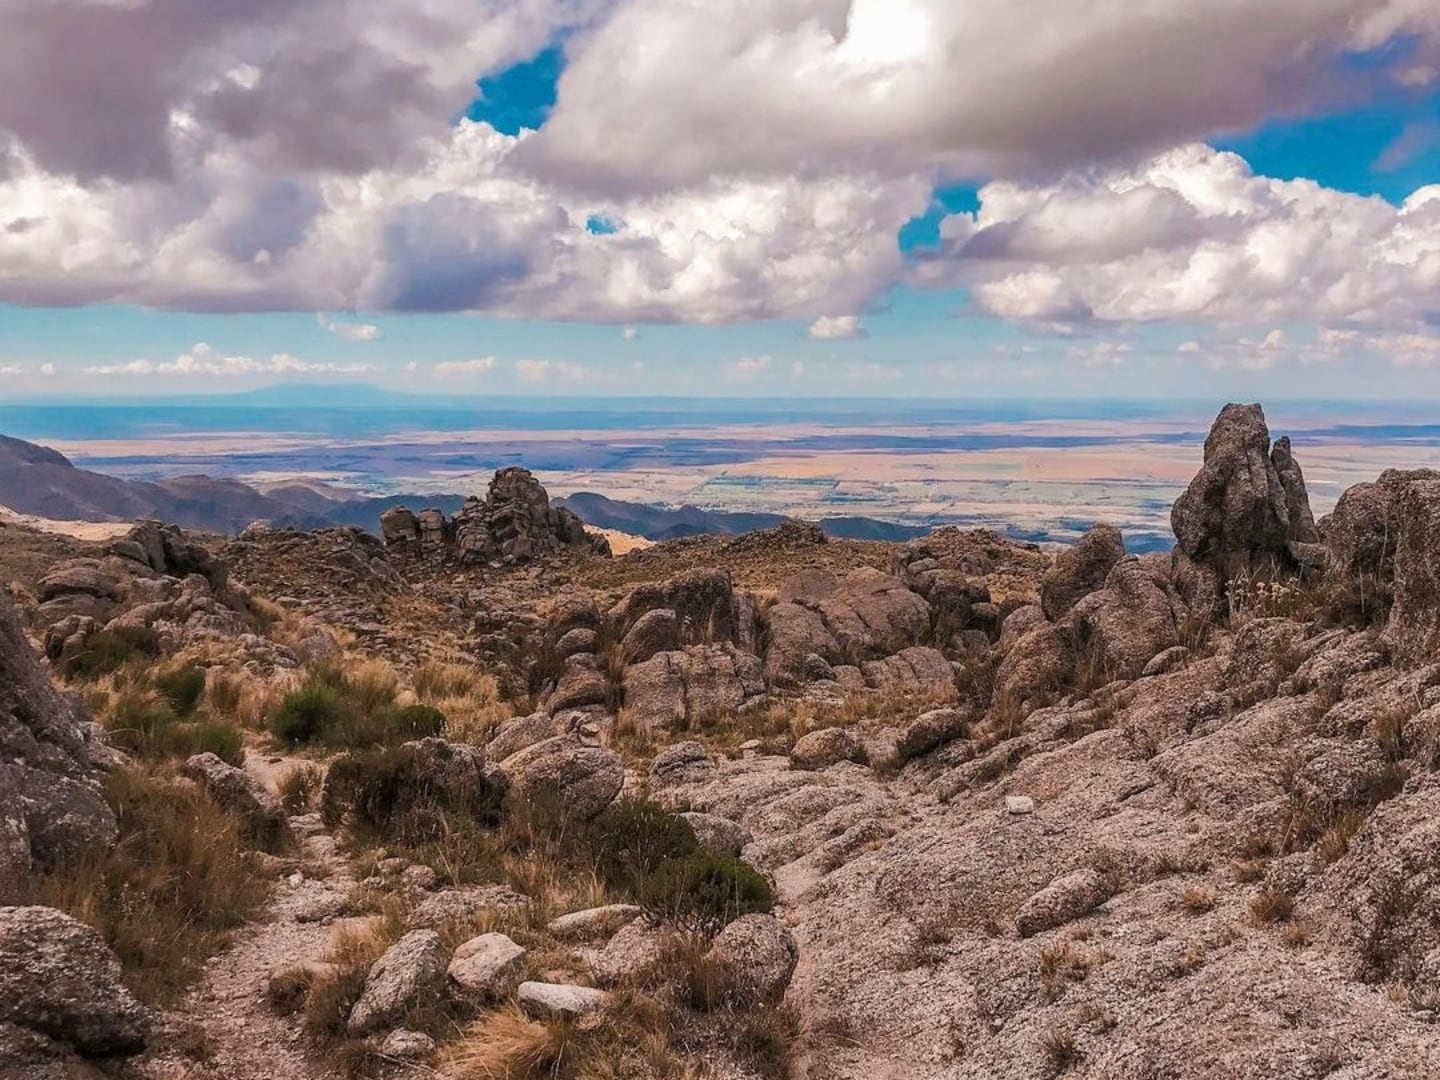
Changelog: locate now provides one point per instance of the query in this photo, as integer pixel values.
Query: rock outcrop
(59, 980)
(1080, 570)
(1239, 511)
(51, 810)
(514, 523)
(674, 690)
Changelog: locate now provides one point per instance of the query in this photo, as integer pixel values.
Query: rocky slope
(1020, 814)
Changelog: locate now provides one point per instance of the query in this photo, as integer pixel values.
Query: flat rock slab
(559, 1000)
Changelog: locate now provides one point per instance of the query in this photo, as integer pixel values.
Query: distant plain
(1042, 470)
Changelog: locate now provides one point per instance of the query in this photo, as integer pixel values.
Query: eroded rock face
(514, 523)
(672, 689)
(573, 777)
(1363, 532)
(704, 608)
(261, 816)
(1137, 615)
(1413, 630)
(758, 955)
(59, 979)
(1080, 570)
(51, 811)
(1237, 511)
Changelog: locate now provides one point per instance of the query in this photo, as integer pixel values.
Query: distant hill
(42, 482)
(665, 523)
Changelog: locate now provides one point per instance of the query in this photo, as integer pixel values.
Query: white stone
(1019, 804)
(554, 1000)
(488, 966)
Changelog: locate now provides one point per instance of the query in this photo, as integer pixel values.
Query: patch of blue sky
(520, 96)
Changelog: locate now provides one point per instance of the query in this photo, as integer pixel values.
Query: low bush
(630, 840)
(704, 891)
(306, 713)
(166, 896)
(403, 794)
(147, 726)
(108, 651)
(183, 688)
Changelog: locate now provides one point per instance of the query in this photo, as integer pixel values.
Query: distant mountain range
(663, 523)
(42, 482)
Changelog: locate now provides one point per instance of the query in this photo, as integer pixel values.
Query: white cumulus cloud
(837, 328)
(449, 369)
(539, 371)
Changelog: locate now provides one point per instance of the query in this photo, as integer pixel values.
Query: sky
(740, 198)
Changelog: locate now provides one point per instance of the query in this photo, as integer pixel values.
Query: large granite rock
(1080, 570)
(1413, 630)
(410, 974)
(567, 774)
(681, 688)
(1237, 511)
(254, 805)
(51, 811)
(60, 980)
(864, 615)
(1362, 534)
(514, 523)
(705, 609)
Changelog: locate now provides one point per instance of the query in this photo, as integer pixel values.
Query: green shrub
(630, 840)
(306, 714)
(215, 736)
(183, 688)
(148, 727)
(409, 793)
(415, 722)
(109, 650)
(704, 891)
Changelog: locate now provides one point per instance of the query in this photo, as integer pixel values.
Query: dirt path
(243, 1036)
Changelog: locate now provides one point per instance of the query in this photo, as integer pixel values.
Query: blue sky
(645, 241)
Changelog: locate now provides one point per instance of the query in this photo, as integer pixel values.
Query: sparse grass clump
(1060, 1049)
(166, 896)
(1197, 899)
(145, 724)
(300, 787)
(352, 709)
(1271, 906)
(704, 891)
(182, 688)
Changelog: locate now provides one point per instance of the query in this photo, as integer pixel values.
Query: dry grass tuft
(1060, 1049)
(507, 1045)
(1198, 899)
(167, 895)
(1271, 906)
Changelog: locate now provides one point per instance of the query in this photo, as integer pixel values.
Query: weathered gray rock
(581, 684)
(557, 1001)
(400, 527)
(796, 634)
(261, 816)
(634, 949)
(828, 746)
(1413, 630)
(1363, 532)
(515, 735)
(1018, 623)
(409, 974)
(681, 688)
(1039, 663)
(1235, 513)
(406, 1046)
(919, 671)
(487, 967)
(681, 763)
(1080, 570)
(705, 610)
(1064, 900)
(577, 779)
(1302, 528)
(578, 639)
(593, 922)
(58, 978)
(86, 576)
(717, 833)
(654, 632)
(757, 955)
(462, 904)
(1137, 615)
